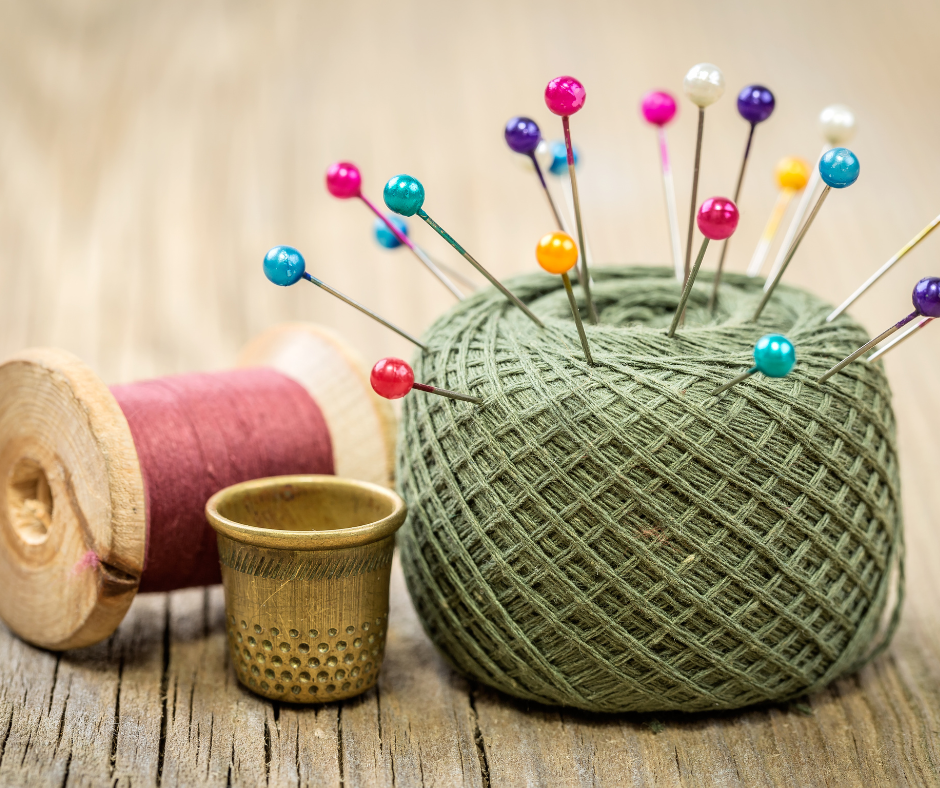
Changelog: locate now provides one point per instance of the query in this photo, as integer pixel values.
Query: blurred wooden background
(150, 153)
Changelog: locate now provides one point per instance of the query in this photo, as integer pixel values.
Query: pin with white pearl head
(905, 334)
(703, 85)
(884, 269)
(837, 124)
(839, 169)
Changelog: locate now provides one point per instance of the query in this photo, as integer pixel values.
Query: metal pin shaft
(447, 393)
(867, 346)
(687, 290)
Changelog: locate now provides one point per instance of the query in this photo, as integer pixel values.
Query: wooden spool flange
(72, 510)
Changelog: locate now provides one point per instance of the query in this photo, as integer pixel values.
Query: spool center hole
(29, 500)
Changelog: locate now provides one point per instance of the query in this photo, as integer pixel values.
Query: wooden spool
(71, 490)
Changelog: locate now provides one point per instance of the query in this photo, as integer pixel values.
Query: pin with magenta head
(393, 378)
(703, 86)
(344, 181)
(792, 175)
(755, 104)
(557, 254)
(405, 196)
(564, 96)
(658, 108)
(837, 125)
(839, 169)
(926, 300)
(285, 266)
(774, 357)
(523, 136)
(717, 219)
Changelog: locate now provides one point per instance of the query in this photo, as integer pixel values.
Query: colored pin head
(556, 253)
(343, 180)
(523, 135)
(704, 84)
(658, 107)
(755, 103)
(284, 265)
(404, 195)
(774, 355)
(559, 153)
(565, 95)
(837, 123)
(392, 378)
(717, 218)
(839, 168)
(792, 173)
(386, 237)
(926, 296)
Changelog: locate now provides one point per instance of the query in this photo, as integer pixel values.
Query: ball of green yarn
(613, 537)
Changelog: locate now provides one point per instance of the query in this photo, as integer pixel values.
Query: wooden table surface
(150, 153)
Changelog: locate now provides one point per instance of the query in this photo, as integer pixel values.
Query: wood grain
(150, 153)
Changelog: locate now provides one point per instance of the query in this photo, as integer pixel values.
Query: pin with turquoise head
(755, 104)
(774, 356)
(405, 196)
(839, 169)
(926, 300)
(285, 266)
(344, 181)
(523, 136)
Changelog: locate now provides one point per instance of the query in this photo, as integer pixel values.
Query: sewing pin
(774, 357)
(523, 136)
(385, 238)
(905, 334)
(393, 378)
(557, 254)
(926, 300)
(658, 108)
(838, 169)
(717, 220)
(564, 96)
(884, 269)
(755, 104)
(792, 175)
(285, 266)
(837, 124)
(405, 196)
(343, 180)
(703, 86)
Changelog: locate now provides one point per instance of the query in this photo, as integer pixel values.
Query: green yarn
(612, 537)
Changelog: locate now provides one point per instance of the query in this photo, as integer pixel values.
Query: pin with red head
(393, 378)
(926, 300)
(344, 181)
(564, 96)
(717, 219)
(659, 108)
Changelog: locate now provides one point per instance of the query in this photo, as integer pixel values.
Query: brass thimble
(306, 562)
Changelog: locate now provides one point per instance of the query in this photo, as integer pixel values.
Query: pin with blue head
(405, 194)
(839, 169)
(774, 356)
(285, 266)
(926, 301)
(523, 136)
(385, 237)
(564, 96)
(755, 104)
(559, 154)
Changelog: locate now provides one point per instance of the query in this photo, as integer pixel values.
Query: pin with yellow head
(557, 254)
(792, 174)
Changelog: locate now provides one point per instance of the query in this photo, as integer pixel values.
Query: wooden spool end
(72, 511)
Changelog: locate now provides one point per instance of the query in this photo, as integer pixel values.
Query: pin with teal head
(285, 266)
(405, 196)
(839, 169)
(774, 356)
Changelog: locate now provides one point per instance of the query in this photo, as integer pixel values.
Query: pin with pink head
(717, 219)
(658, 108)
(393, 378)
(564, 96)
(344, 181)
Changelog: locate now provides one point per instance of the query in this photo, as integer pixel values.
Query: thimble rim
(306, 540)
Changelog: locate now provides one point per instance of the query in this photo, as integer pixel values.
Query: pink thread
(196, 434)
(89, 560)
